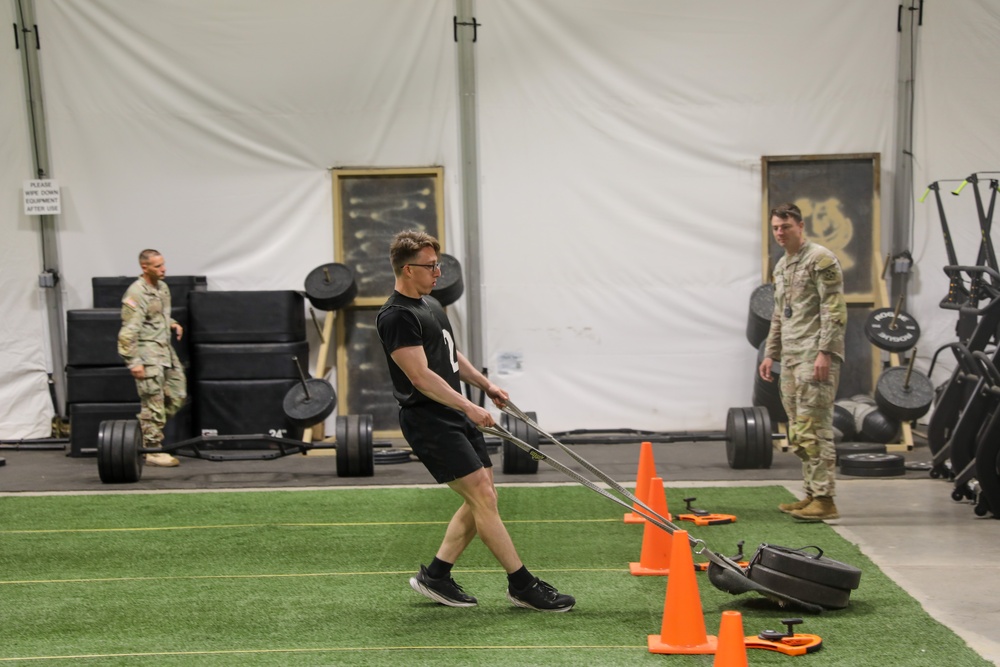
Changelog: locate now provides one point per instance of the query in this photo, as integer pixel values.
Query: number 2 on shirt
(453, 357)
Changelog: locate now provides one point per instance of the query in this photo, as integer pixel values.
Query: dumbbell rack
(882, 294)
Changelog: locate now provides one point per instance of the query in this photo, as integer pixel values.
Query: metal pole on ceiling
(909, 18)
(466, 35)
(29, 43)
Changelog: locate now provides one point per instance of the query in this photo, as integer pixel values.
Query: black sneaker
(444, 591)
(542, 597)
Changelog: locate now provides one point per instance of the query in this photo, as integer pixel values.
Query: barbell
(120, 454)
(748, 436)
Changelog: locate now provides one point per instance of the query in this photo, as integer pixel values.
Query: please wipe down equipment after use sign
(42, 197)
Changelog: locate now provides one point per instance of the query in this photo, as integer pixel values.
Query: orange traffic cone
(655, 556)
(683, 627)
(732, 651)
(646, 472)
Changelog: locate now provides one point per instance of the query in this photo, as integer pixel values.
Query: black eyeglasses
(433, 267)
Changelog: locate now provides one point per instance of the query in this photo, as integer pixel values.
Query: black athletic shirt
(405, 322)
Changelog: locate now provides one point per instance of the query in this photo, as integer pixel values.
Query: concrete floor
(934, 548)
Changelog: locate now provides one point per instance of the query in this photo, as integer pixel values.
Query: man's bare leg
(479, 515)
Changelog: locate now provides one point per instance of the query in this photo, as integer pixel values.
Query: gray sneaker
(541, 597)
(443, 591)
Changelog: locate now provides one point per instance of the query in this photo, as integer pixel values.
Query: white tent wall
(955, 134)
(620, 145)
(205, 129)
(25, 406)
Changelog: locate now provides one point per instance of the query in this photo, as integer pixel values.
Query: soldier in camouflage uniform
(144, 345)
(807, 337)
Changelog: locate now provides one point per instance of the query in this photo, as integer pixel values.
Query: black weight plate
(731, 421)
(803, 589)
(749, 438)
(904, 398)
(516, 461)
(759, 317)
(449, 285)
(390, 456)
(764, 445)
(118, 463)
(131, 459)
(331, 286)
(873, 461)
(355, 451)
(306, 410)
(887, 335)
(809, 566)
(104, 446)
(892, 471)
(848, 448)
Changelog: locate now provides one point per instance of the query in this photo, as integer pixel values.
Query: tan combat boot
(162, 460)
(820, 509)
(797, 505)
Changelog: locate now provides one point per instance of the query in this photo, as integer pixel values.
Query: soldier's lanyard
(788, 290)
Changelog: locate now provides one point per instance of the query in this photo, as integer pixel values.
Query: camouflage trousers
(809, 404)
(162, 393)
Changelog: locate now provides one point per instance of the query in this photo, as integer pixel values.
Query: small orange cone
(683, 627)
(654, 560)
(646, 472)
(732, 650)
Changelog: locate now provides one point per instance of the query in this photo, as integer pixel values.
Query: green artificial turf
(320, 578)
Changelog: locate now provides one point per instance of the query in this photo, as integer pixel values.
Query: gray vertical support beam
(466, 34)
(29, 44)
(910, 14)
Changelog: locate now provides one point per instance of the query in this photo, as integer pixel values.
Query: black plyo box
(100, 384)
(108, 291)
(275, 316)
(92, 336)
(250, 361)
(243, 407)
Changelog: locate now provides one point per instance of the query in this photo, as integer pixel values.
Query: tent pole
(466, 33)
(29, 45)
(909, 19)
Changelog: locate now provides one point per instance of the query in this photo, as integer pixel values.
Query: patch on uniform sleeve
(130, 302)
(828, 269)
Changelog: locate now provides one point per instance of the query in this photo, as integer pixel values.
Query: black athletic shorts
(447, 443)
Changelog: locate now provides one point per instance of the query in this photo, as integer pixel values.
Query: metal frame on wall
(839, 196)
(370, 206)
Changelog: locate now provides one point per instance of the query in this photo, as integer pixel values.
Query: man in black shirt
(439, 423)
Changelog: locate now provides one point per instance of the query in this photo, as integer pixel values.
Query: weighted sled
(803, 589)
(812, 567)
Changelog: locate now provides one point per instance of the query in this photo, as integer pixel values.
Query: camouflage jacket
(810, 313)
(145, 334)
